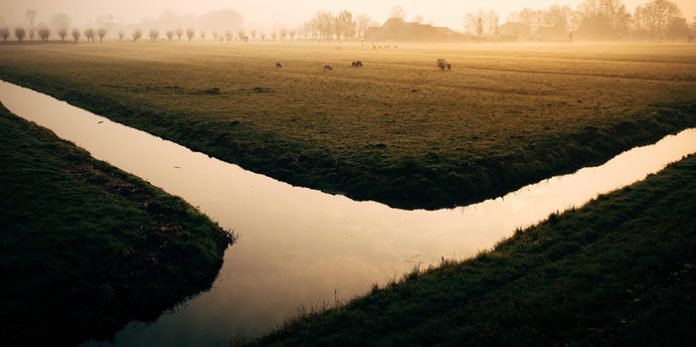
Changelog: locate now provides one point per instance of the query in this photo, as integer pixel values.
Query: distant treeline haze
(592, 20)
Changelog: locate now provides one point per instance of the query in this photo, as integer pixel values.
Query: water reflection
(299, 245)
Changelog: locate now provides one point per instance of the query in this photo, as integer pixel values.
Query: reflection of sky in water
(298, 245)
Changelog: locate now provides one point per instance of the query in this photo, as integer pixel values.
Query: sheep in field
(443, 65)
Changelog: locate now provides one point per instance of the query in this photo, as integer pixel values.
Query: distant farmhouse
(396, 29)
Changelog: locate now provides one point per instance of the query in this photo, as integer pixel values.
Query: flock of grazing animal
(442, 64)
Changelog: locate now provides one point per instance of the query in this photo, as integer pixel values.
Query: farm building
(396, 29)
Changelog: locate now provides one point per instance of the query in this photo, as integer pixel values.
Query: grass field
(86, 247)
(619, 271)
(396, 131)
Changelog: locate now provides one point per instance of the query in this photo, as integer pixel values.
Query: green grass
(619, 271)
(397, 131)
(86, 247)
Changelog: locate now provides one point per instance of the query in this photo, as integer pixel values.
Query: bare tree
(44, 32)
(362, 22)
(274, 34)
(90, 33)
(292, 33)
(324, 24)
(137, 34)
(203, 33)
(263, 36)
(5, 33)
(492, 20)
(678, 29)
(170, 35)
(397, 12)
(20, 33)
(345, 26)
(101, 32)
(190, 34)
(228, 35)
(240, 34)
(253, 34)
(474, 22)
(216, 34)
(659, 13)
(308, 30)
(31, 18)
(76, 35)
(179, 32)
(62, 33)
(121, 35)
(154, 35)
(599, 19)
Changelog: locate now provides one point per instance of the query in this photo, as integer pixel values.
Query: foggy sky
(266, 14)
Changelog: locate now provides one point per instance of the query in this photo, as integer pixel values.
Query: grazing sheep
(328, 67)
(443, 65)
(279, 65)
(357, 64)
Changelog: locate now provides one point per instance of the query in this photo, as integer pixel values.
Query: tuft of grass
(621, 271)
(85, 247)
(506, 117)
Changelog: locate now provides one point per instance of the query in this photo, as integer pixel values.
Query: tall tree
(659, 13)
(475, 22)
(345, 26)
(492, 21)
(603, 19)
(362, 22)
(31, 18)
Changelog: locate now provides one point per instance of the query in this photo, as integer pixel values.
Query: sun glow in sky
(275, 13)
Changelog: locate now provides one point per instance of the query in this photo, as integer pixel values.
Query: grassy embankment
(619, 271)
(86, 247)
(396, 131)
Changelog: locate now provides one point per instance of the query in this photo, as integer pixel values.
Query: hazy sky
(269, 13)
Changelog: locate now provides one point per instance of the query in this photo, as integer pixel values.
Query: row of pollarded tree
(90, 34)
(44, 33)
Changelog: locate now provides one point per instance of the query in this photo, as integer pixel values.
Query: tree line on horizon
(595, 20)
(592, 19)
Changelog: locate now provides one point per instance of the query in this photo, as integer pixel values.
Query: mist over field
(269, 15)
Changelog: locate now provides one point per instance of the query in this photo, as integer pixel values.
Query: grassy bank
(619, 271)
(86, 247)
(396, 131)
